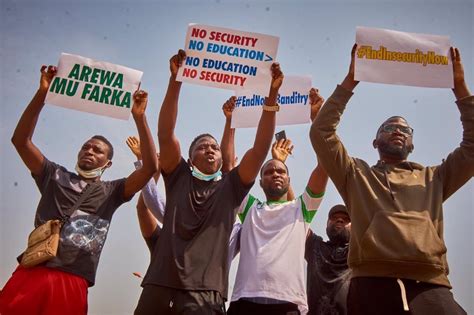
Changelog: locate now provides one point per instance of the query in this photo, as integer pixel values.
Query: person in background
(328, 274)
(270, 275)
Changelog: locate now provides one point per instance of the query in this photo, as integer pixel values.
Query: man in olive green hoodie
(397, 252)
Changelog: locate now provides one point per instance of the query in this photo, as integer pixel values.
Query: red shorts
(41, 290)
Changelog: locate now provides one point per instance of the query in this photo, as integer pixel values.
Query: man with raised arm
(397, 252)
(60, 285)
(270, 276)
(188, 274)
(151, 203)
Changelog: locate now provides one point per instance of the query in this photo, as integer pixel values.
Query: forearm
(326, 122)
(349, 83)
(255, 156)
(169, 111)
(318, 180)
(146, 220)
(27, 123)
(458, 167)
(265, 129)
(228, 147)
(169, 144)
(461, 91)
(147, 146)
(327, 145)
(153, 200)
(466, 107)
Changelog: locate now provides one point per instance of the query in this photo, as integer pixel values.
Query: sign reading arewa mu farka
(228, 59)
(293, 99)
(393, 57)
(94, 86)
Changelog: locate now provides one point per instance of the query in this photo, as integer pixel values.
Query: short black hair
(193, 144)
(265, 164)
(110, 155)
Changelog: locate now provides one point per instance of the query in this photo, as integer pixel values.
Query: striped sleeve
(245, 206)
(310, 204)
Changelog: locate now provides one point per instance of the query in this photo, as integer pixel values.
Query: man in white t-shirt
(270, 276)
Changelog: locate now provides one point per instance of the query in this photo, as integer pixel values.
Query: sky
(315, 39)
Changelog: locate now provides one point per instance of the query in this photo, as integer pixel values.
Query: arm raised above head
(140, 177)
(23, 134)
(332, 154)
(228, 137)
(458, 167)
(169, 143)
(253, 159)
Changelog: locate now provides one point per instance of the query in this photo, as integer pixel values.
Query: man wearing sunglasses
(397, 252)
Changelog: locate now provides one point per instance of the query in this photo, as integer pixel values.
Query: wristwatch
(273, 108)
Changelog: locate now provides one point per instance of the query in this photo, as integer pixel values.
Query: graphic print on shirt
(84, 231)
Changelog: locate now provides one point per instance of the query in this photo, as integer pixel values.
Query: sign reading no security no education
(228, 59)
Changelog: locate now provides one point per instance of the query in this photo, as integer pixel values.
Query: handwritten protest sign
(394, 57)
(228, 59)
(93, 86)
(293, 99)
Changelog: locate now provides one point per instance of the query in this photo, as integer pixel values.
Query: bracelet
(273, 108)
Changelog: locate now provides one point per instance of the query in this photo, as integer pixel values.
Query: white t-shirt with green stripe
(272, 248)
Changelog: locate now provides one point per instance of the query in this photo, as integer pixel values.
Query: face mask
(92, 173)
(206, 177)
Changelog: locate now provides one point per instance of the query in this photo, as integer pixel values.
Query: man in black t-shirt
(328, 272)
(188, 273)
(60, 285)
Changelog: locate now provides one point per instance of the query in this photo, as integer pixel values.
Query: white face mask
(206, 177)
(91, 173)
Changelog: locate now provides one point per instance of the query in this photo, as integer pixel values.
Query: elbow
(14, 141)
(153, 168)
(150, 168)
(18, 141)
(317, 138)
(314, 133)
(164, 136)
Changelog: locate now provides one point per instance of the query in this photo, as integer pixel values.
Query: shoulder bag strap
(83, 195)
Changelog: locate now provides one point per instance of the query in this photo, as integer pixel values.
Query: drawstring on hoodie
(403, 293)
(388, 184)
(386, 179)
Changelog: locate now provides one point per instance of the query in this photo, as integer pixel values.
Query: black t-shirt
(84, 234)
(194, 243)
(152, 240)
(328, 276)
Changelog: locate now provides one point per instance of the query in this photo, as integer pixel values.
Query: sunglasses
(390, 128)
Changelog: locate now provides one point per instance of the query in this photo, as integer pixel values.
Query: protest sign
(228, 59)
(293, 99)
(93, 86)
(393, 57)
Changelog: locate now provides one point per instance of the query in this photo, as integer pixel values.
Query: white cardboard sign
(94, 86)
(228, 59)
(386, 56)
(293, 99)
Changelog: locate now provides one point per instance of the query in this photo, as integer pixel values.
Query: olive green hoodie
(396, 210)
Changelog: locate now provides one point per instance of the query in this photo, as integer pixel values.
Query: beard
(394, 151)
(276, 193)
(338, 236)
